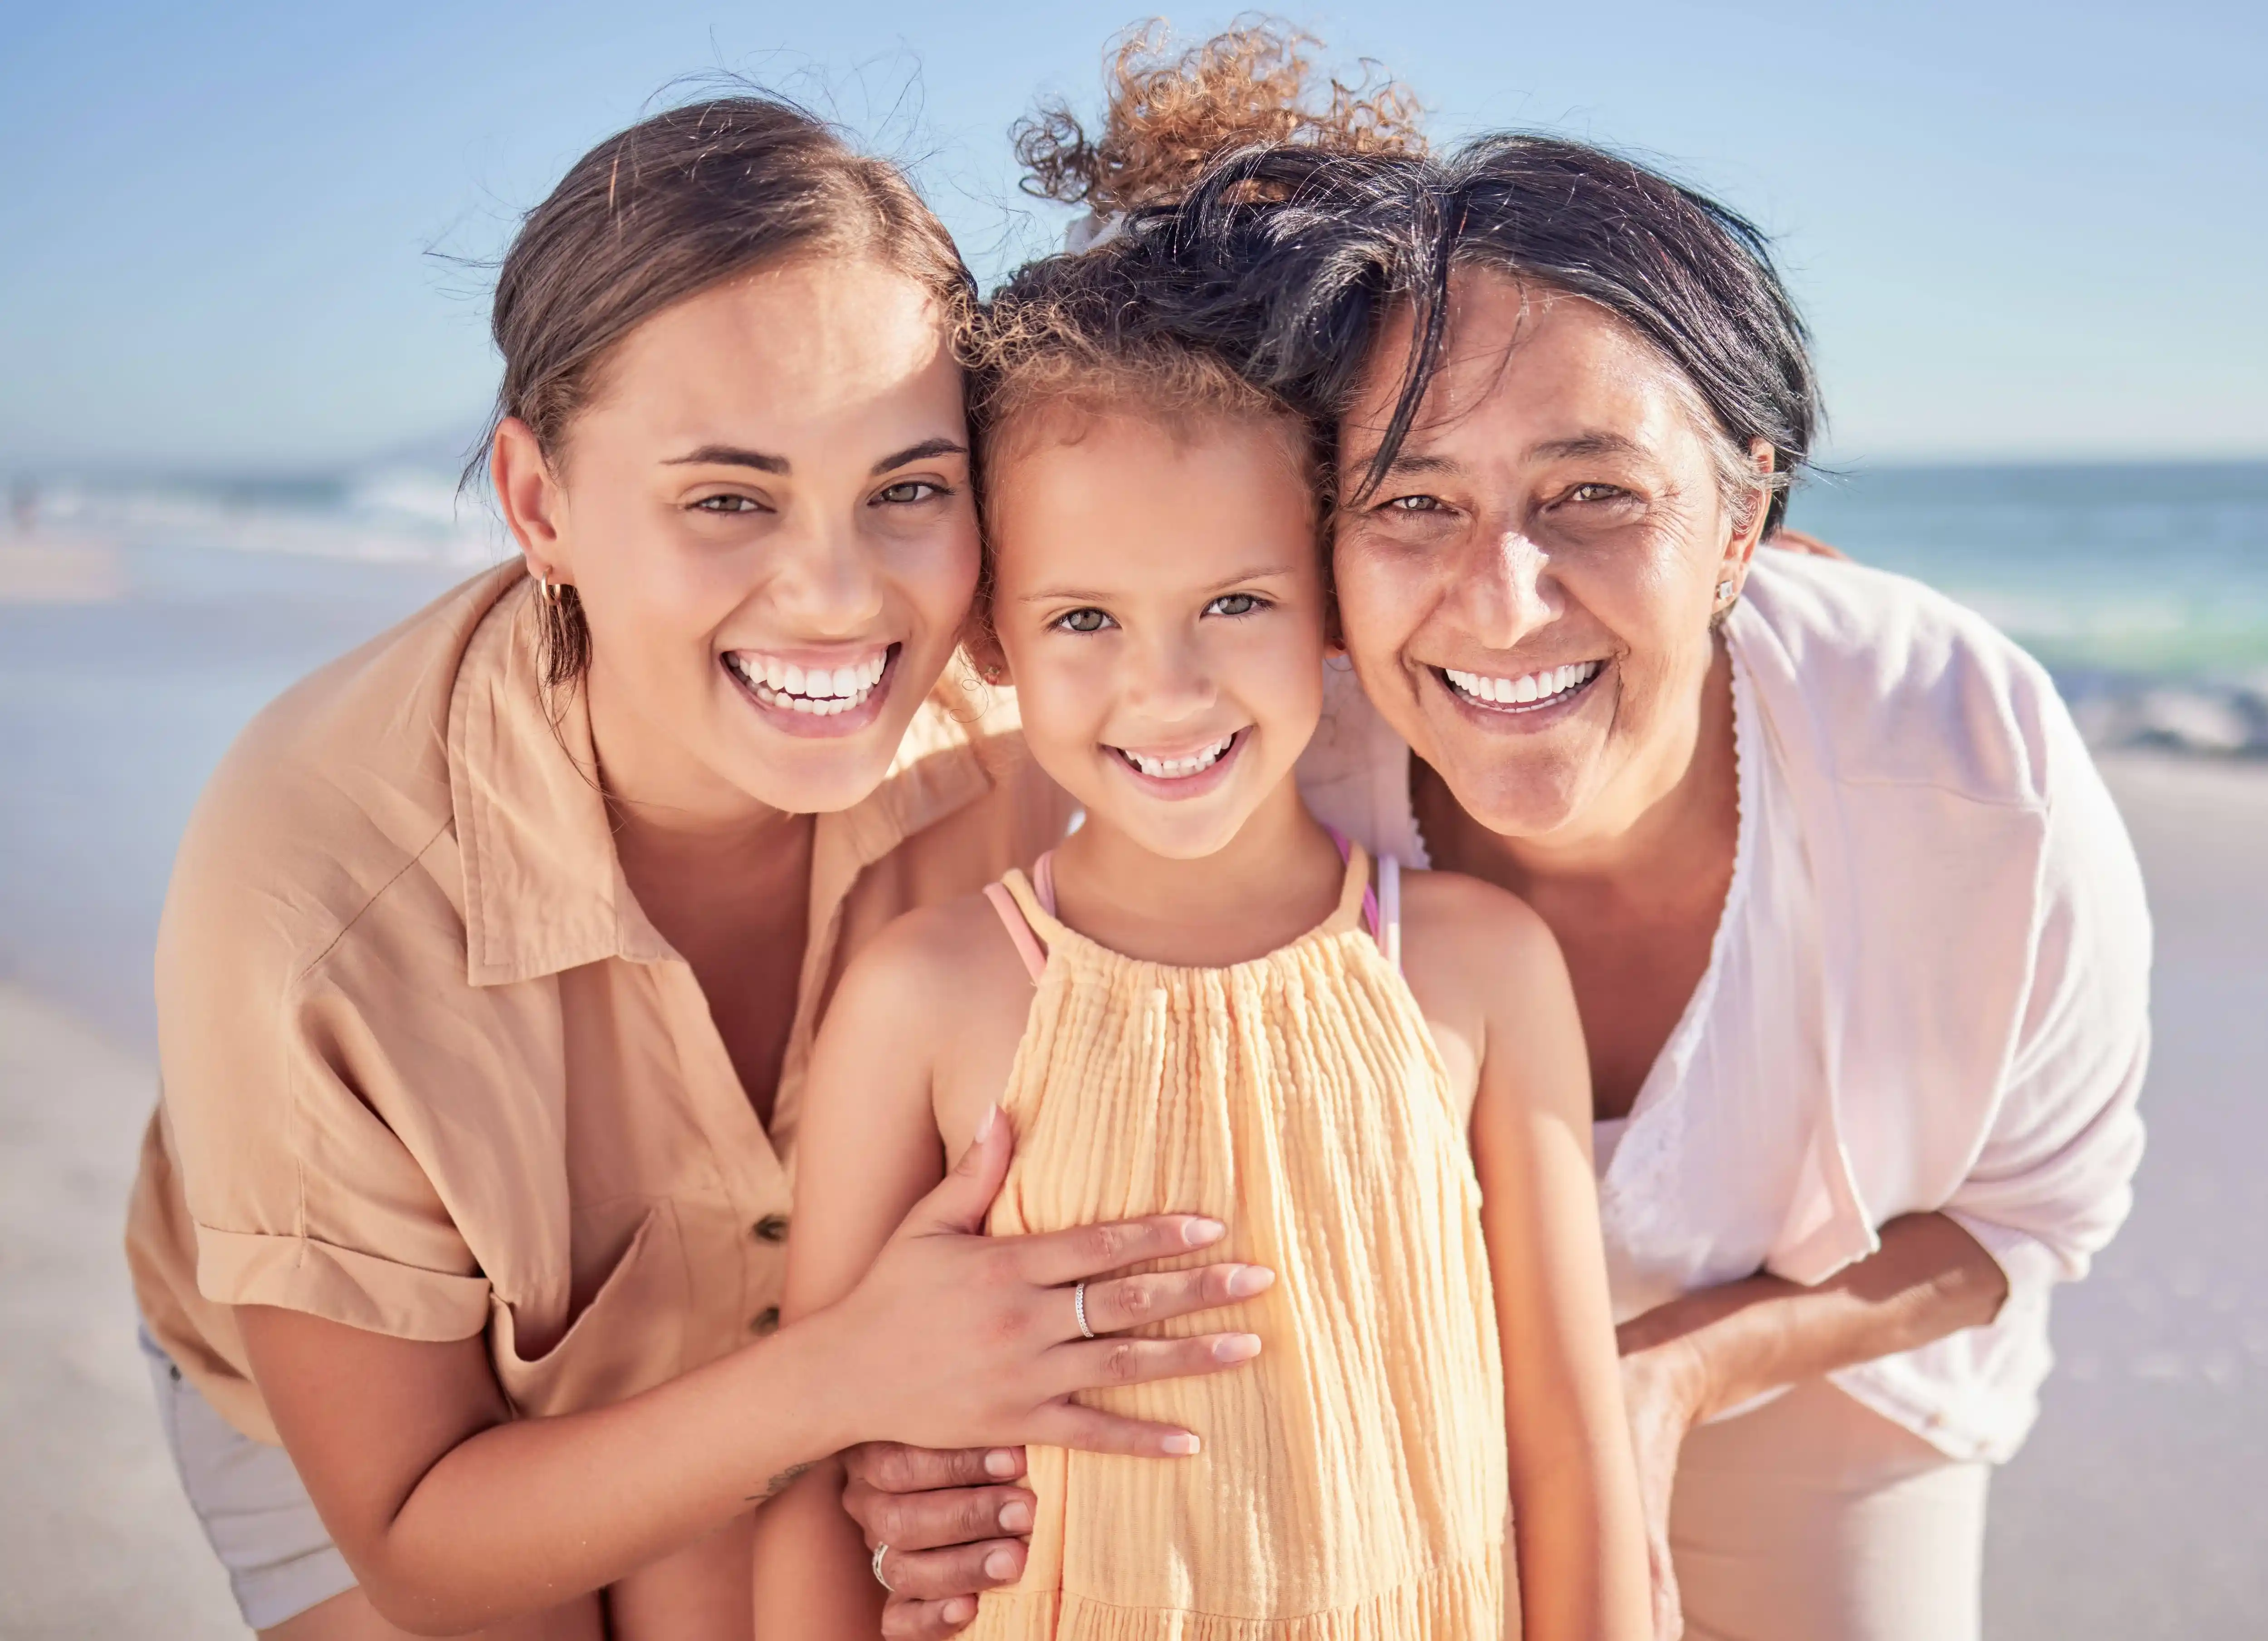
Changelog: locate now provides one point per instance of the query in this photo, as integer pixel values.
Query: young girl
(1204, 997)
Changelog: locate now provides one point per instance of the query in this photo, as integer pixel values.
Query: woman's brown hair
(673, 206)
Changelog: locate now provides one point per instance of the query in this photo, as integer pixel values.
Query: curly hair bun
(1172, 112)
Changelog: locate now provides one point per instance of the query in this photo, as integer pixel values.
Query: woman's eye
(1235, 604)
(1082, 621)
(1595, 492)
(728, 504)
(1414, 504)
(909, 490)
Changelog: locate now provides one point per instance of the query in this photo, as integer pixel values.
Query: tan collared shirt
(428, 1070)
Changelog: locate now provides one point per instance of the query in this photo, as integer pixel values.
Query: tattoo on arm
(778, 1485)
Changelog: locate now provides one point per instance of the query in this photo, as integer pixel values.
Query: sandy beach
(2135, 1512)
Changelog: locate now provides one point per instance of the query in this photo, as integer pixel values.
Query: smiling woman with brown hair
(489, 972)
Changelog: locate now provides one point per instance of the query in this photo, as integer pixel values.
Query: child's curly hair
(1171, 113)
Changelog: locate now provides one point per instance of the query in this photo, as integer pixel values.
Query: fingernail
(1236, 1346)
(959, 1610)
(1015, 1517)
(1000, 1464)
(1197, 1232)
(984, 1123)
(1181, 1446)
(999, 1564)
(1248, 1280)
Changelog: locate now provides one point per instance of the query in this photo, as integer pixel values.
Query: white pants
(254, 1509)
(1815, 1519)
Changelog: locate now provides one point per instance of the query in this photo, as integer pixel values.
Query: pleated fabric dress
(1352, 1483)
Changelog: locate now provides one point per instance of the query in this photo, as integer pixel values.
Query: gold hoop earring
(550, 588)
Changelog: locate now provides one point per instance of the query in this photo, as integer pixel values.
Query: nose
(1505, 591)
(826, 581)
(1167, 679)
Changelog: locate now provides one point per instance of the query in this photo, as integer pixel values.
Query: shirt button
(772, 1228)
(767, 1321)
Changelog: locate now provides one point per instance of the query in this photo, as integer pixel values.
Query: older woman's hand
(1662, 1397)
(952, 1524)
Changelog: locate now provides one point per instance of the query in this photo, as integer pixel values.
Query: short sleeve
(276, 1075)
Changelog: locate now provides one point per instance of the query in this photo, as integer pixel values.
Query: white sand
(2138, 1511)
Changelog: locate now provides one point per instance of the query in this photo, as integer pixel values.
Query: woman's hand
(956, 1339)
(1661, 1396)
(952, 1524)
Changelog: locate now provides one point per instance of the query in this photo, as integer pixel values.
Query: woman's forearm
(1730, 1344)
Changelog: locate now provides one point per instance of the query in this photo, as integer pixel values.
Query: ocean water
(2144, 588)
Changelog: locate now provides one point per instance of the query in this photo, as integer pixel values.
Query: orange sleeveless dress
(1352, 1483)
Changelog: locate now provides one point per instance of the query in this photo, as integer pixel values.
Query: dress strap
(1020, 929)
(1370, 914)
(1043, 882)
(1389, 908)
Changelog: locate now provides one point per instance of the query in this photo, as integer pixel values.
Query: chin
(1514, 803)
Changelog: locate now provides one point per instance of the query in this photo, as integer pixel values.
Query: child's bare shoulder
(1462, 920)
(930, 960)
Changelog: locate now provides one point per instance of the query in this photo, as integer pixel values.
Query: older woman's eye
(1414, 504)
(728, 504)
(1235, 604)
(1596, 492)
(1082, 621)
(910, 490)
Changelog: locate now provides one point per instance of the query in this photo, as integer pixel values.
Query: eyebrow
(1588, 444)
(764, 462)
(1047, 595)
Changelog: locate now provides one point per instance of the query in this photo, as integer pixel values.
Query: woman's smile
(1531, 701)
(816, 695)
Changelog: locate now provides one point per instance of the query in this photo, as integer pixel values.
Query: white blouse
(1928, 990)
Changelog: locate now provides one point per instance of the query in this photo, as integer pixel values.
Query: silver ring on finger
(881, 1550)
(1079, 1310)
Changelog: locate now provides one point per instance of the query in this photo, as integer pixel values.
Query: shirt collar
(544, 890)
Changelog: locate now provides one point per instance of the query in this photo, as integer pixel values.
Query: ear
(534, 502)
(1742, 546)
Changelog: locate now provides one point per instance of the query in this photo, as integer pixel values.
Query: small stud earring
(1725, 591)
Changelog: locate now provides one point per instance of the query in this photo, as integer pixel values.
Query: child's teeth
(1175, 768)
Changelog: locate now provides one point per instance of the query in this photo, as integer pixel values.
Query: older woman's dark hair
(1289, 258)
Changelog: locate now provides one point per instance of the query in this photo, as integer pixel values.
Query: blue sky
(2021, 230)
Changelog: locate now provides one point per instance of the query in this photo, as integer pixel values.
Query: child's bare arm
(1577, 1526)
(866, 1151)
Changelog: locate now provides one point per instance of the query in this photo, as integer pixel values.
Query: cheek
(937, 576)
(1380, 593)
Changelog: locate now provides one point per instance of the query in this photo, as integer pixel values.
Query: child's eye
(910, 490)
(1088, 620)
(728, 504)
(1235, 604)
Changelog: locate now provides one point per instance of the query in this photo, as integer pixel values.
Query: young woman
(489, 974)
(1856, 936)
(1200, 997)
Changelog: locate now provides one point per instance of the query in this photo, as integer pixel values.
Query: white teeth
(1529, 687)
(818, 691)
(1178, 768)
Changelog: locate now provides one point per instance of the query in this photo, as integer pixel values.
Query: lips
(1181, 767)
(1526, 690)
(818, 691)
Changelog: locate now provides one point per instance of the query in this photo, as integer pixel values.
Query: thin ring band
(1079, 1309)
(881, 1550)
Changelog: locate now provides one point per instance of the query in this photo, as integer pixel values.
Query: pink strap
(1369, 896)
(1011, 919)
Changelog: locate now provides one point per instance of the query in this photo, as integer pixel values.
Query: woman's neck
(1275, 881)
